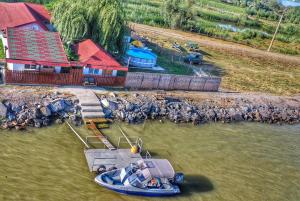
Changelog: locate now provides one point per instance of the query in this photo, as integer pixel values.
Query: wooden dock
(93, 127)
(117, 158)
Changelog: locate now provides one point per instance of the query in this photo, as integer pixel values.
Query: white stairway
(90, 104)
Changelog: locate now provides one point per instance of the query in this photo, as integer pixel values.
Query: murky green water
(252, 162)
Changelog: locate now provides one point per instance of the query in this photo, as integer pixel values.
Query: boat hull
(138, 192)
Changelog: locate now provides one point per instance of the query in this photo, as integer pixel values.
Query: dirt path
(230, 47)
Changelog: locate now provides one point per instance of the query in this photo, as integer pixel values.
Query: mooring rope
(85, 144)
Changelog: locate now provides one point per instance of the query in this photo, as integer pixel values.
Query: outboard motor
(178, 179)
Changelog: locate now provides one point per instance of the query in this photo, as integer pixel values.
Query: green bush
(2, 53)
(249, 34)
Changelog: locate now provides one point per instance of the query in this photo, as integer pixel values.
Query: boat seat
(108, 180)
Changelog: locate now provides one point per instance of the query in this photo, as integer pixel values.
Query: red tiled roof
(91, 54)
(18, 14)
(38, 46)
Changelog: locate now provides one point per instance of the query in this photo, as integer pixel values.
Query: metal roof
(31, 45)
(18, 14)
(91, 54)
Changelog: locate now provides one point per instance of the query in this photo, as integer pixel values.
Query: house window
(91, 71)
(96, 71)
(30, 67)
(65, 70)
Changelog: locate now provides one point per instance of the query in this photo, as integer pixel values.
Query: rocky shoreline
(38, 110)
(136, 108)
(41, 107)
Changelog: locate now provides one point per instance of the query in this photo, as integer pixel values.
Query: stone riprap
(46, 109)
(135, 108)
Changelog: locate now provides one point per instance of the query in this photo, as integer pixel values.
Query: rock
(16, 108)
(112, 94)
(105, 103)
(121, 115)
(11, 116)
(3, 110)
(46, 111)
(57, 106)
(113, 105)
(238, 117)
(37, 114)
(46, 122)
(108, 113)
(257, 116)
(38, 123)
(129, 107)
(63, 115)
(59, 121)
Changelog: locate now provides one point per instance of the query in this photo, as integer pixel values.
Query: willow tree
(100, 20)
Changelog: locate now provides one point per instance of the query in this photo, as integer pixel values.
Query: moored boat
(147, 177)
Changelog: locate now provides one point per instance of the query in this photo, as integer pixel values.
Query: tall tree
(101, 20)
(178, 12)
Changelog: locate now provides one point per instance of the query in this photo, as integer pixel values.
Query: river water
(247, 161)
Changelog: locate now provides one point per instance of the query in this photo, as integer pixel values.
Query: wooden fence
(171, 82)
(132, 81)
(74, 77)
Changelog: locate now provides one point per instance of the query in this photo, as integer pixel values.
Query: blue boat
(147, 177)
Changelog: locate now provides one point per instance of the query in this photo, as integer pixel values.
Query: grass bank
(240, 71)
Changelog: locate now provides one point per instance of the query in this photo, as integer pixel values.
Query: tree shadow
(196, 184)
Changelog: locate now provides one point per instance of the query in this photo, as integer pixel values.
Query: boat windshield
(138, 180)
(127, 172)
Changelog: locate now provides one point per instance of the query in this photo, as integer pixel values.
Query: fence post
(159, 79)
(190, 83)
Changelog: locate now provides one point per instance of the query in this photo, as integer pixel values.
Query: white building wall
(114, 73)
(12, 66)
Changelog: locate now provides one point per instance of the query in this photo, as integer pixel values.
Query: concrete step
(93, 115)
(89, 103)
(97, 108)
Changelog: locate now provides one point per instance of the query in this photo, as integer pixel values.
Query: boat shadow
(196, 184)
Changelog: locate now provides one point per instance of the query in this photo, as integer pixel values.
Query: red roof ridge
(92, 54)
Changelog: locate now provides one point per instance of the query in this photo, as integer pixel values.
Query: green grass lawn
(240, 73)
(248, 74)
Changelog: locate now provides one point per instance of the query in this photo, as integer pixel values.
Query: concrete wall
(171, 82)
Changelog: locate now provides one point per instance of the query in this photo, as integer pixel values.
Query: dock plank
(100, 136)
(117, 158)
